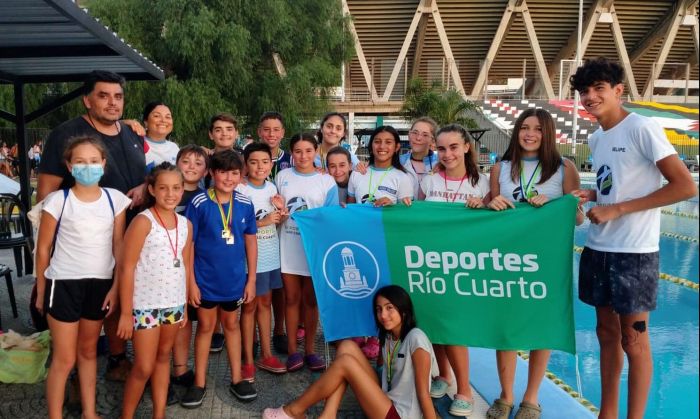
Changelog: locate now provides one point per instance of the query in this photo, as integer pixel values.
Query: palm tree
(445, 106)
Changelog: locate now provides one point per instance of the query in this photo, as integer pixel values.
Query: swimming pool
(673, 328)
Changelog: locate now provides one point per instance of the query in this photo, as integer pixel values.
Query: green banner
(483, 278)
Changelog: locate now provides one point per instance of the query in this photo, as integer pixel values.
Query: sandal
(529, 411)
(500, 409)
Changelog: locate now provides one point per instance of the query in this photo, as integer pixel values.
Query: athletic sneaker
(217, 343)
(118, 368)
(186, 379)
(295, 362)
(244, 391)
(194, 397)
(172, 396)
(315, 362)
(461, 406)
(248, 372)
(438, 387)
(271, 364)
(280, 342)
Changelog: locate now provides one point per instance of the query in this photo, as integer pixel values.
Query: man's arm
(680, 186)
(46, 184)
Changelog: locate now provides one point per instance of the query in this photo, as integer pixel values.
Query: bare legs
(619, 335)
(537, 366)
(151, 360)
(299, 290)
(71, 342)
(349, 368)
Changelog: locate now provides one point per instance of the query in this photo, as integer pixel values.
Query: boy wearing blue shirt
(224, 233)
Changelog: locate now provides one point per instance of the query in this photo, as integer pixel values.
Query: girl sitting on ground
(403, 391)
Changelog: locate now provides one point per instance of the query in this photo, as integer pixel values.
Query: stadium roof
(57, 41)
(490, 41)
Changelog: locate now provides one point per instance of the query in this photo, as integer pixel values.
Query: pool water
(673, 329)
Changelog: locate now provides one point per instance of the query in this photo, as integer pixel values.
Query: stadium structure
(506, 55)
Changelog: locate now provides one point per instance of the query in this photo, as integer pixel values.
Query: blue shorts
(627, 282)
(267, 281)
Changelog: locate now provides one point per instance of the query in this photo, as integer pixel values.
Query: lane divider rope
(679, 237)
(680, 214)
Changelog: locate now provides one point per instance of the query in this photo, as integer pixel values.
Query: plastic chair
(15, 232)
(7, 273)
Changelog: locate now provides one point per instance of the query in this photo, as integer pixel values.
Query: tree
(218, 57)
(445, 106)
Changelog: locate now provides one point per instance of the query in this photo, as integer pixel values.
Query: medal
(226, 233)
(176, 260)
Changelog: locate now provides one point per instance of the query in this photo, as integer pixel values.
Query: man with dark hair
(619, 267)
(103, 98)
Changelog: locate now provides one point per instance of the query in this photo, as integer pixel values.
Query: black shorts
(627, 282)
(191, 313)
(75, 299)
(224, 305)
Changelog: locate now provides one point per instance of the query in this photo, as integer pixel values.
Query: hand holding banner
(499, 280)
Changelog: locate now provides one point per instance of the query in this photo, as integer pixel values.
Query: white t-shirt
(552, 188)
(268, 239)
(301, 191)
(159, 151)
(158, 283)
(440, 188)
(403, 378)
(380, 183)
(84, 241)
(624, 158)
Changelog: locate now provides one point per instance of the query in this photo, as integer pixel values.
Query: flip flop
(500, 409)
(529, 411)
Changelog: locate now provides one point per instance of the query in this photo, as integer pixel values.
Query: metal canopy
(47, 41)
(57, 41)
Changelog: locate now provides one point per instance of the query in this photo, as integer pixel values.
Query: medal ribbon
(527, 189)
(391, 354)
(225, 219)
(371, 192)
(458, 188)
(177, 236)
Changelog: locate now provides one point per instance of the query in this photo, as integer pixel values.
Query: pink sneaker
(301, 334)
(278, 413)
(371, 348)
(271, 364)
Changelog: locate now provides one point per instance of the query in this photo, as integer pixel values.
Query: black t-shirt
(126, 161)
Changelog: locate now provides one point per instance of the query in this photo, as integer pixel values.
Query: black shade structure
(47, 41)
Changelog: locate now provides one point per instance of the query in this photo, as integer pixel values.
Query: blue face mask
(87, 174)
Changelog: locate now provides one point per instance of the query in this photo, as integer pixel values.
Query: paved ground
(27, 400)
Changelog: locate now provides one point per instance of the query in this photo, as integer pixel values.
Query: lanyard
(527, 189)
(391, 354)
(275, 165)
(456, 191)
(176, 260)
(225, 219)
(430, 162)
(370, 196)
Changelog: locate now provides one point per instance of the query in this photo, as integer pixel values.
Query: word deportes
(421, 281)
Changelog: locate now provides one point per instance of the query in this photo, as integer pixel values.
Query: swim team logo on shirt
(295, 204)
(604, 179)
(518, 197)
(260, 214)
(350, 270)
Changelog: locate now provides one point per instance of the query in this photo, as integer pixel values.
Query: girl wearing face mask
(80, 233)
